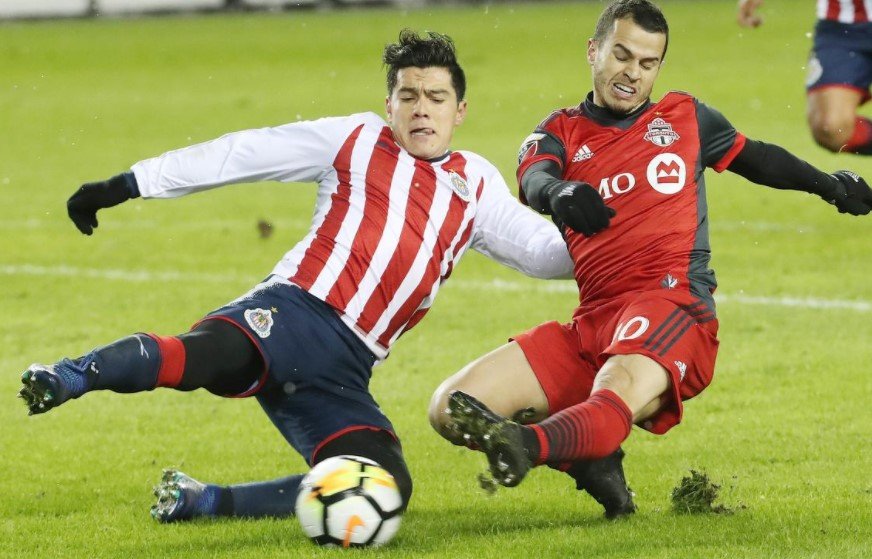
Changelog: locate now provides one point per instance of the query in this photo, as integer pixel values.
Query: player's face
(624, 66)
(423, 111)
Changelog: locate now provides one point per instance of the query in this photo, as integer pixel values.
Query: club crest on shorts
(260, 320)
(660, 133)
(458, 185)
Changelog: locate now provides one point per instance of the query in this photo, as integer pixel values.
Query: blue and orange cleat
(48, 386)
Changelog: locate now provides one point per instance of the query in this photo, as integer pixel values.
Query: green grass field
(785, 427)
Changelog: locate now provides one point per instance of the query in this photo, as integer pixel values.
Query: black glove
(852, 196)
(578, 206)
(83, 205)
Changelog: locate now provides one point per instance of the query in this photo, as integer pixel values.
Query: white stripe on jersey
(398, 198)
(360, 157)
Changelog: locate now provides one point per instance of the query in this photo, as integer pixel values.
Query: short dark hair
(413, 50)
(643, 13)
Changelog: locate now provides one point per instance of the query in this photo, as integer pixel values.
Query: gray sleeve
(716, 134)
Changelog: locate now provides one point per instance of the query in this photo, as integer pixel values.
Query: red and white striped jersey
(388, 228)
(845, 11)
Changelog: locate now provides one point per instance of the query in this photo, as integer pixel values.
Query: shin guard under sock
(592, 429)
(139, 362)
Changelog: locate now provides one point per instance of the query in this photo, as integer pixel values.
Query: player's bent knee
(438, 415)
(377, 445)
(831, 131)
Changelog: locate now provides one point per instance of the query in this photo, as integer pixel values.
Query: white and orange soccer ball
(349, 501)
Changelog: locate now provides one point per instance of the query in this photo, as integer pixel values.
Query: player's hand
(853, 196)
(580, 207)
(84, 203)
(746, 16)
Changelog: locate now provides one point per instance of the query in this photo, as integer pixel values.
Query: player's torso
(647, 172)
(387, 229)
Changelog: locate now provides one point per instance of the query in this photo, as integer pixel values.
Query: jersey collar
(605, 117)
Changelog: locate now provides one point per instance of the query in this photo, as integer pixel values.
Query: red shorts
(675, 329)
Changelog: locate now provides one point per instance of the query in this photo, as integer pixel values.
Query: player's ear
(461, 113)
(591, 51)
(388, 109)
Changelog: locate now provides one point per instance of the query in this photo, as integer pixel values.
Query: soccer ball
(349, 501)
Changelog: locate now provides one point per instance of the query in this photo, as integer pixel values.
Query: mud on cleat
(604, 480)
(48, 386)
(178, 496)
(499, 438)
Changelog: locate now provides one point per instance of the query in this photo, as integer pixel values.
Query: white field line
(496, 285)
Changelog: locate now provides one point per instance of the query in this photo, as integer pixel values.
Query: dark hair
(412, 50)
(643, 13)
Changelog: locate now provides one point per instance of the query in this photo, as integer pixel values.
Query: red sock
(592, 429)
(172, 360)
(861, 139)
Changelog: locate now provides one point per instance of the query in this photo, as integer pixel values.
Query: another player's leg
(593, 429)
(180, 497)
(504, 381)
(834, 122)
(216, 355)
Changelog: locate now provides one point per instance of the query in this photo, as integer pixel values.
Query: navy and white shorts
(841, 57)
(316, 384)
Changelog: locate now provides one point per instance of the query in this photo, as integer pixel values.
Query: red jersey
(844, 11)
(648, 167)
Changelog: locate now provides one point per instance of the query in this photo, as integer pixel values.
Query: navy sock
(130, 364)
(274, 498)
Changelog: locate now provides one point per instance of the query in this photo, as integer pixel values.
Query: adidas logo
(582, 154)
(682, 368)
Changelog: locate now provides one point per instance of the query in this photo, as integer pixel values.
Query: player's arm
(297, 152)
(770, 165)
(573, 204)
(746, 15)
(774, 166)
(517, 237)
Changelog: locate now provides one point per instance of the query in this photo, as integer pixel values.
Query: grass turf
(785, 428)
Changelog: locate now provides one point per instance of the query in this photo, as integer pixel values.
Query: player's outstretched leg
(181, 497)
(604, 480)
(503, 441)
(48, 386)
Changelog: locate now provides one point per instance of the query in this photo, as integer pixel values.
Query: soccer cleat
(48, 386)
(604, 480)
(499, 438)
(179, 497)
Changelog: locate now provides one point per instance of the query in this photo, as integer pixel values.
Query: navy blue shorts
(841, 56)
(316, 384)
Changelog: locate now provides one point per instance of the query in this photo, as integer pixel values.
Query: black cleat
(604, 480)
(496, 436)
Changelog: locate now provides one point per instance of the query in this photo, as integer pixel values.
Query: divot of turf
(696, 494)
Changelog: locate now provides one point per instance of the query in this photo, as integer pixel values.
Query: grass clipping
(696, 494)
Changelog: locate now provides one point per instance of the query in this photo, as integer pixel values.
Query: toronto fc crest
(660, 133)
